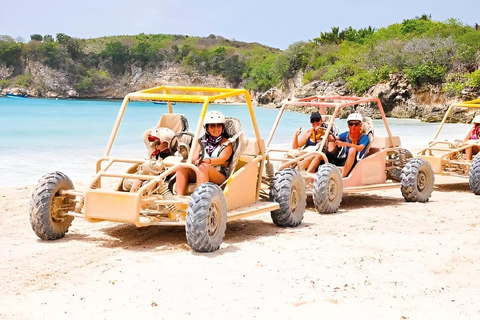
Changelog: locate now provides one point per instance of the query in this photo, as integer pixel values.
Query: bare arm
(299, 138)
(196, 153)
(357, 147)
(469, 135)
(222, 158)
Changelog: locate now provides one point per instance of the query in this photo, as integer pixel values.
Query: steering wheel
(181, 144)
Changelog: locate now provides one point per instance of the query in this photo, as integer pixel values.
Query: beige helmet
(214, 117)
(354, 117)
(476, 119)
(163, 134)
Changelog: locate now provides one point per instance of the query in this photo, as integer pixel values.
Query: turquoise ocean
(38, 136)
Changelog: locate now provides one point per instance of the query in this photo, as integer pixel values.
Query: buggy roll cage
(324, 102)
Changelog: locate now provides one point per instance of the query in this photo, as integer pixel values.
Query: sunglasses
(315, 120)
(215, 125)
(356, 124)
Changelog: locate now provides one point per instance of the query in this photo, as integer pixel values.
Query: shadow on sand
(165, 238)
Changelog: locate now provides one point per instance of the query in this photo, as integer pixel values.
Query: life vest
(224, 169)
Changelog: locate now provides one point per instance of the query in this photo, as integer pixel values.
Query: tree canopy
(424, 50)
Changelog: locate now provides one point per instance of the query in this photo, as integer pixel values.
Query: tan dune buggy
(205, 209)
(385, 164)
(449, 157)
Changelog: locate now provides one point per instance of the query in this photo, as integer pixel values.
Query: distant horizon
(275, 24)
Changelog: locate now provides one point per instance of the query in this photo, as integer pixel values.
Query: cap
(315, 116)
(476, 119)
(354, 117)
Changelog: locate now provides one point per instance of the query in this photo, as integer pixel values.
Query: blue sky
(274, 23)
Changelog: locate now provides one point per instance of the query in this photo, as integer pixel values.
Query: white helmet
(354, 117)
(214, 117)
(476, 119)
(163, 134)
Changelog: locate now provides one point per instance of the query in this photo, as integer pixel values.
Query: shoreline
(307, 110)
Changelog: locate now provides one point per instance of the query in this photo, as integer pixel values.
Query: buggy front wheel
(288, 190)
(206, 218)
(48, 207)
(327, 189)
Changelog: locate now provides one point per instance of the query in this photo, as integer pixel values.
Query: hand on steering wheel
(181, 144)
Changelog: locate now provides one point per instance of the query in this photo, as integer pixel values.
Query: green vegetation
(24, 80)
(425, 51)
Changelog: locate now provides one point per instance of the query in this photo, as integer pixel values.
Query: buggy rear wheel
(327, 189)
(417, 180)
(48, 207)
(206, 218)
(288, 190)
(400, 159)
(474, 176)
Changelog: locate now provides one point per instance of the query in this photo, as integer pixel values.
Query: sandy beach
(377, 258)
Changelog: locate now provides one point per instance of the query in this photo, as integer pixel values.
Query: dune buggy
(385, 164)
(448, 157)
(206, 208)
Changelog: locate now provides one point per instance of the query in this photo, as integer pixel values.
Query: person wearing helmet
(473, 134)
(157, 141)
(353, 143)
(218, 150)
(312, 137)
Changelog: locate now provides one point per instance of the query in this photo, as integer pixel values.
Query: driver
(353, 143)
(218, 150)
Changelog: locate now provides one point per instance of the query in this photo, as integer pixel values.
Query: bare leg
(209, 173)
(182, 181)
(475, 150)
(468, 153)
(331, 146)
(314, 164)
(349, 162)
(306, 162)
(135, 185)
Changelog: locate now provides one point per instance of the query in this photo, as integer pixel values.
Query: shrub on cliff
(117, 56)
(10, 53)
(424, 73)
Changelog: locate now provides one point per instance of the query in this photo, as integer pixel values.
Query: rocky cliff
(50, 83)
(398, 98)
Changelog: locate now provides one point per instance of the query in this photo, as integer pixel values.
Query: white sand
(377, 258)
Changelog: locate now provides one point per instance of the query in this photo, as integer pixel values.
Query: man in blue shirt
(353, 143)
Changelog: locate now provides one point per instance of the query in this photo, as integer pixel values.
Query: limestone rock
(270, 96)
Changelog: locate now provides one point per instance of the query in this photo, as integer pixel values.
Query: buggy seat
(367, 125)
(233, 130)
